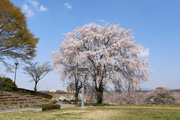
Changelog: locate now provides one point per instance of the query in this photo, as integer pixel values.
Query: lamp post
(16, 63)
(82, 70)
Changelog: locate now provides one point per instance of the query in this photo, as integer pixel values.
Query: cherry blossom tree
(162, 96)
(108, 51)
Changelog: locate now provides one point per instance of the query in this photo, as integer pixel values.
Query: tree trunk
(77, 89)
(35, 87)
(99, 97)
(76, 95)
(99, 92)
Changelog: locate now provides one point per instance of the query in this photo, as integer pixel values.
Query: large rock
(62, 98)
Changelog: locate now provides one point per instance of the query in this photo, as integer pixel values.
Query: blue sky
(155, 23)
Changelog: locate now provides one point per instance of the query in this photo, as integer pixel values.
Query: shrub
(50, 107)
(96, 104)
(66, 101)
(6, 84)
(161, 96)
(124, 98)
(75, 100)
(53, 101)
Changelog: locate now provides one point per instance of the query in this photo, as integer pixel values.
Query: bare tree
(37, 71)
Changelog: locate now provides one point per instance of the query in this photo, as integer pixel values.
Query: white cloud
(27, 10)
(42, 8)
(145, 53)
(68, 5)
(34, 3)
(102, 21)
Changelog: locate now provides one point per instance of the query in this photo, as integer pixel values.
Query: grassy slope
(97, 113)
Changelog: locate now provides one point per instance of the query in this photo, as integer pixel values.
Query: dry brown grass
(102, 115)
(56, 96)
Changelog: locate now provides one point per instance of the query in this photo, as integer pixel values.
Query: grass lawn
(99, 113)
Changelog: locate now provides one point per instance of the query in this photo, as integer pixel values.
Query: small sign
(82, 69)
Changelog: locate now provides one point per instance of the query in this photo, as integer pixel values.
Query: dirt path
(65, 105)
(34, 108)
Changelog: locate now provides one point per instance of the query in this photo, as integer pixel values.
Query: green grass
(152, 105)
(151, 114)
(133, 105)
(100, 113)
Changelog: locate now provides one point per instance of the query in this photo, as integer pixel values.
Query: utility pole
(16, 63)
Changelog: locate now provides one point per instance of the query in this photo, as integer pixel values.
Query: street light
(82, 70)
(16, 63)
